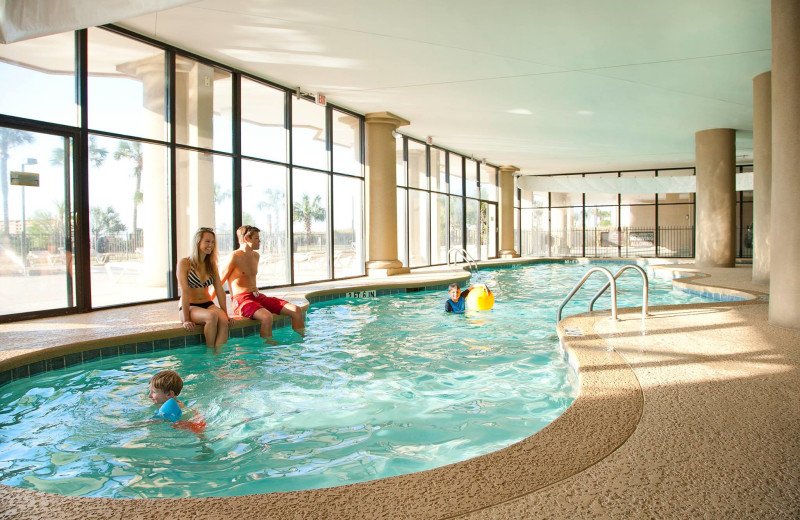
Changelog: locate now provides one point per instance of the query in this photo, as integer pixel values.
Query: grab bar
(611, 282)
(644, 287)
(465, 255)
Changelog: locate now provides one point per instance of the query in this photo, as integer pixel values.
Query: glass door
(37, 228)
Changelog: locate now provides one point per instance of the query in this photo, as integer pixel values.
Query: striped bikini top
(195, 283)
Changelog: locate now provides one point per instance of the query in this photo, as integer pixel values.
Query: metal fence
(647, 242)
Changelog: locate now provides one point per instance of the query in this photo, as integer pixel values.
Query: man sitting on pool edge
(241, 271)
(458, 300)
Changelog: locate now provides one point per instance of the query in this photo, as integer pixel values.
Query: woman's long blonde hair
(194, 256)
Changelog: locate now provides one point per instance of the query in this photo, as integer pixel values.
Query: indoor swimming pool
(379, 387)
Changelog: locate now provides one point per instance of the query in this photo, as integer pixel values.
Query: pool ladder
(612, 282)
(473, 266)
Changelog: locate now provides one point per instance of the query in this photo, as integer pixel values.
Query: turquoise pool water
(379, 387)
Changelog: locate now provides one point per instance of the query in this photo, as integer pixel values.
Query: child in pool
(458, 299)
(164, 387)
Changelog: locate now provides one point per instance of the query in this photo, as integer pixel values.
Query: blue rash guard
(459, 306)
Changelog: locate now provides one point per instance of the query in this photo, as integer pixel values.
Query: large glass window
(418, 211)
(310, 215)
(402, 226)
(400, 163)
(128, 221)
(488, 230)
(346, 143)
(439, 227)
(38, 79)
(456, 222)
(676, 198)
(438, 169)
(264, 202)
(203, 105)
(473, 228)
(489, 183)
(471, 176)
(601, 199)
(637, 198)
(602, 231)
(348, 235)
(456, 174)
(127, 248)
(308, 134)
(126, 88)
(264, 133)
(204, 199)
(417, 165)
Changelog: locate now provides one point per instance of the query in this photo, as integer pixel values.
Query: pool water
(379, 387)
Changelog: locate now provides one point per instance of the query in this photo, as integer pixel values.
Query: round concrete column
(762, 168)
(784, 299)
(381, 191)
(506, 220)
(715, 156)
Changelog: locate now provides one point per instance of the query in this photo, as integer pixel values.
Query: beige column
(784, 304)
(715, 157)
(762, 171)
(381, 188)
(506, 219)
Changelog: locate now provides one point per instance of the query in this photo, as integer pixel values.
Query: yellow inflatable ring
(480, 299)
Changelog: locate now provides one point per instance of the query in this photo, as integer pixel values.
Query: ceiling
(547, 86)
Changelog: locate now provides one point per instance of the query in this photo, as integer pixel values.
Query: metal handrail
(644, 287)
(467, 258)
(611, 282)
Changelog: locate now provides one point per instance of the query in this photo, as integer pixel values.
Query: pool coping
(604, 414)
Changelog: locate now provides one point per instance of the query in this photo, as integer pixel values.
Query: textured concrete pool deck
(690, 413)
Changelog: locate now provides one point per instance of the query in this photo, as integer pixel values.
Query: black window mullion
(329, 151)
(83, 300)
(172, 281)
(463, 202)
(236, 120)
(287, 123)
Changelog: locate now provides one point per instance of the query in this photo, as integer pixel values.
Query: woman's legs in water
(214, 322)
(208, 319)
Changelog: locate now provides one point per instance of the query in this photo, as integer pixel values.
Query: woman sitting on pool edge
(196, 274)
(458, 300)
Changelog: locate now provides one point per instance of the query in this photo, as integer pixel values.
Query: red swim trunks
(246, 304)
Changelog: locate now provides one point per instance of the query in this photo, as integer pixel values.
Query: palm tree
(105, 221)
(9, 138)
(307, 211)
(273, 204)
(97, 154)
(132, 151)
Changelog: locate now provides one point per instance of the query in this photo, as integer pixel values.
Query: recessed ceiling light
(520, 111)
(585, 112)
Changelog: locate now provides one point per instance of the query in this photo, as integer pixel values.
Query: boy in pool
(458, 299)
(164, 387)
